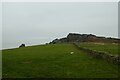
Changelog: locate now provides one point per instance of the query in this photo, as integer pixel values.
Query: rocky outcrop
(22, 45)
(73, 37)
(62, 40)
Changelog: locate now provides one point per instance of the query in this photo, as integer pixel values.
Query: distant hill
(73, 37)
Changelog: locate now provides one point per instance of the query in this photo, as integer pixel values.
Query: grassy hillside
(106, 47)
(54, 61)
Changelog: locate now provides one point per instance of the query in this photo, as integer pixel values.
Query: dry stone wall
(100, 54)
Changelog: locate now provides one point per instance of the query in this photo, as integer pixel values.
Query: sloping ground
(54, 61)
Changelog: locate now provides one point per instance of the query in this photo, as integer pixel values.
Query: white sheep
(71, 53)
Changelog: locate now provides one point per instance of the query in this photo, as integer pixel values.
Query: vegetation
(54, 61)
(106, 47)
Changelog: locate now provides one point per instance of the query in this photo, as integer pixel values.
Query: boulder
(22, 45)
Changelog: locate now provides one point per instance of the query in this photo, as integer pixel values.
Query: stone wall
(100, 54)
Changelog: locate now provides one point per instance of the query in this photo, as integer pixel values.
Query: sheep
(71, 53)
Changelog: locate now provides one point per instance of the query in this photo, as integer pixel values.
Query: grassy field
(106, 47)
(54, 61)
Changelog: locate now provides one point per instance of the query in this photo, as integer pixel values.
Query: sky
(0, 41)
(0, 26)
(60, 0)
(35, 23)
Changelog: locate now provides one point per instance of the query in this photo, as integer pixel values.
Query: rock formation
(22, 45)
(73, 37)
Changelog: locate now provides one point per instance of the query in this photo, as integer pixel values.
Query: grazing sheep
(71, 53)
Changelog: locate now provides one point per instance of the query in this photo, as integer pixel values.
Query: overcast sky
(60, 0)
(35, 23)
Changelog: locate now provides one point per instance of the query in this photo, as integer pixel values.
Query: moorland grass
(54, 61)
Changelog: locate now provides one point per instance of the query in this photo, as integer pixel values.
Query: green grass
(106, 47)
(54, 61)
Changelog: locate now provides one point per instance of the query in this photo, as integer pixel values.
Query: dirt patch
(100, 43)
(27, 62)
